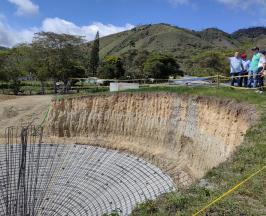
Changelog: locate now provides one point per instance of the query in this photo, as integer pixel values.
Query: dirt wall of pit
(185, 136)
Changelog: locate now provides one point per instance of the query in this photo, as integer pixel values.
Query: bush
(111, 68)
(209, 63)
(161, 66)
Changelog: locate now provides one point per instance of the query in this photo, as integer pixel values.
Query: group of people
(248, 73)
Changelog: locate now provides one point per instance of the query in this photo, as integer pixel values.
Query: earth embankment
(183, 135)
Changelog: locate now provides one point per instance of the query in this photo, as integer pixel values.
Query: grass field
(250, 198)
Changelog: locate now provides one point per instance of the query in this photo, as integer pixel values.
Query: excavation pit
(130, 147)
(185, 136)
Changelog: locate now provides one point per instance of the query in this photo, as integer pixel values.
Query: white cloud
(25, 7)
(179, 2)
(10, 36)
(244, 4)
(58, 25)
(193, 4)
(254, 7)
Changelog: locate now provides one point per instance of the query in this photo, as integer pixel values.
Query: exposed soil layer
(185, 136)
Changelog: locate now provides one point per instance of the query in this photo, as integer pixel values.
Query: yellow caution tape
(229, 191)
(149, 79)
(235, 76)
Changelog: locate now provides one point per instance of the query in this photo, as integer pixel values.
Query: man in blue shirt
(253, 69)
(236, 67)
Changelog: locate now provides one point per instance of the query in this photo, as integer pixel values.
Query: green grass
(242, 95)
(250, 198)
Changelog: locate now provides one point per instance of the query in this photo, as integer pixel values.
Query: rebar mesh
(26, 168)
(44, 179)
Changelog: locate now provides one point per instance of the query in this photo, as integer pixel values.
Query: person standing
(253, 70)
(261, 69)
(244, 73)
(236, 68)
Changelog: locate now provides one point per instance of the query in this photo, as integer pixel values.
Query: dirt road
(15, 111)
(7, 97)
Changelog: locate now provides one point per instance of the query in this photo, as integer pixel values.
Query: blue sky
(19, 19)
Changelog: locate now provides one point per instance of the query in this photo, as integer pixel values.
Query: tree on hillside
(111, 68)
(94, 56)
(161, 66)
(132, 44)
(133, 62)
(3, 57)
(60, 56)
(210, 63)
(36, 63)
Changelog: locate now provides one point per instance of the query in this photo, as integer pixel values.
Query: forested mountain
(164, 37)
(253, 33)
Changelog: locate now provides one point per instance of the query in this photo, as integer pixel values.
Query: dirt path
(7, 97)
(15, 111)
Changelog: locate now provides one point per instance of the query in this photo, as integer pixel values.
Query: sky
(20, 19)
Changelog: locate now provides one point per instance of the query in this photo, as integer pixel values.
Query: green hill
(249, 32)
(167, 38)
(159, 37)
(183, 44)
(219, 38)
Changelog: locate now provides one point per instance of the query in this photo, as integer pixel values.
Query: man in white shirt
(246, 64)
(236, 67)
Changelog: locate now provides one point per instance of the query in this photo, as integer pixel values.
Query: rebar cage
(26, 168)
(45, 179)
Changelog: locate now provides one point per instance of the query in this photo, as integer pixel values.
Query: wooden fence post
(218, 80)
